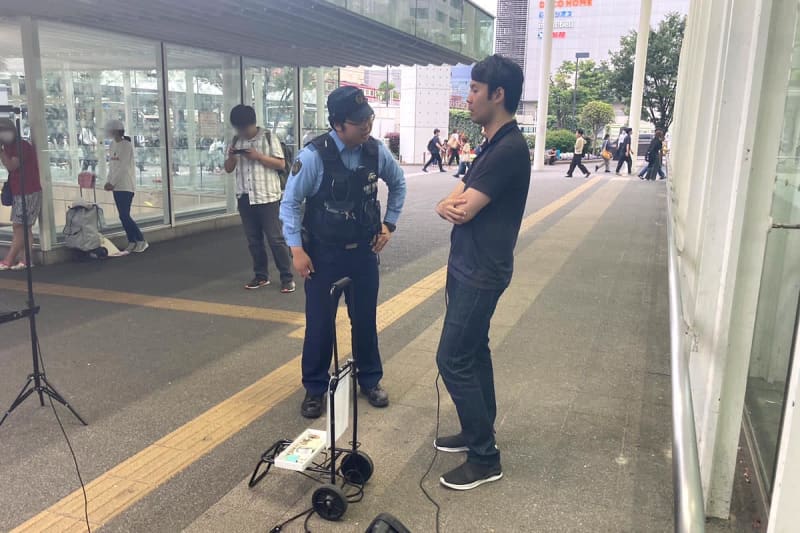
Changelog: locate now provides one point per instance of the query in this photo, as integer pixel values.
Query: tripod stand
(37, 382)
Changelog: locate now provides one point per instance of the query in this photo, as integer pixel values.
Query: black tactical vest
(346, 209)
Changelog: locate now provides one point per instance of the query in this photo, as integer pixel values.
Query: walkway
(185, 379)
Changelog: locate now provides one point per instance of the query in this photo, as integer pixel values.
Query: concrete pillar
(639, 64)
(544, 86)
(424, 106)
(34, 93)
(232, 93)
(191, 130)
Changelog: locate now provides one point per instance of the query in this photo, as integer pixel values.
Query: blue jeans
(647, 168)
(124, 199)
(465, 363)
(330, 265)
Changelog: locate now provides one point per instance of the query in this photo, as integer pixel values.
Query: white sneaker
(4, 267)
(20, 266)
(141, 247)
(131, 247)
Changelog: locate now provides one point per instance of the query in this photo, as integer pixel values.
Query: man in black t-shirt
(486, 211)
(435, 148)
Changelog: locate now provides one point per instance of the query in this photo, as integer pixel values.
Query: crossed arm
(462, 204)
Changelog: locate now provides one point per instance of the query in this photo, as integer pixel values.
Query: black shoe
(456, 175)
(608, 171)
(451, 444)
(425, 170)
(312, 406)
(288, 286)
(442, 170)
(256, 283)
(596, 167)
(470, 475)
(377, 397)
(587, 175)
(568, 176)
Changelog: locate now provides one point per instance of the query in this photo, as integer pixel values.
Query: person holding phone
(255, 157)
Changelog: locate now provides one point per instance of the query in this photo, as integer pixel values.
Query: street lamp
(578, 56)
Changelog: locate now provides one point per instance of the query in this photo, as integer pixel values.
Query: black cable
(279, 527)
(69, 445)
(433, 460)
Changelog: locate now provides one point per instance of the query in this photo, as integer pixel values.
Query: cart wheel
(329, 502)
(357, 468)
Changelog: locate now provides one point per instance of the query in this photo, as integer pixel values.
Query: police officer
(340, 234)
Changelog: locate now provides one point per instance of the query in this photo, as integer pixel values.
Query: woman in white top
(121, 180)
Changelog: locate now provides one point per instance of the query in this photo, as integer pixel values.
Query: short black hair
(437, 130)
(580, 131)
(497, 71)
(243, 116)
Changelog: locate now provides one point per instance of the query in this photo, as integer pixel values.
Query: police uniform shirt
(306, 178)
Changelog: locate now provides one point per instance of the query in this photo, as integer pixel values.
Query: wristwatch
(391, 227)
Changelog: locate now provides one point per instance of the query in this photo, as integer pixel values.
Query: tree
(594, 83)
(596, 115)
(460, 120)
(661, 73)
(386, 90)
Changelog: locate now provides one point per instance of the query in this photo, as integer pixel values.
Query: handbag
(606, 155)
(7, 199)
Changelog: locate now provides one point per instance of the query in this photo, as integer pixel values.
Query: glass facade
(457, 25)
(270, 90)
(85, 88)
(771, 357)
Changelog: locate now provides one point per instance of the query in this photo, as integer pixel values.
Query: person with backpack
(122, 182)
(435, 148)
(257, 159)
(605, 153)
(577, 156)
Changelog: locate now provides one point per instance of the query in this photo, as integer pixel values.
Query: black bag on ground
(386, 523)
(6, 197)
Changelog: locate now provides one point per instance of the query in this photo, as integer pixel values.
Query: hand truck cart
(314, 453)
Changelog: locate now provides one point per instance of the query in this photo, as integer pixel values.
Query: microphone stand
(36, 382)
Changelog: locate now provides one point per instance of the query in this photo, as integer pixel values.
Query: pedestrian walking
(336, 177)
(624, 151)
(466, 157)
(256, 156)
(18, 156)
(454, 147)
(605, 154)
(122, 182)
(653, 158)
(486, 210)
(577, 156)
(435, 148)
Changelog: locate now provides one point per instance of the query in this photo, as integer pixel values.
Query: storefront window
(780, 289)
(92, 77)
(270, 90)
(12, 93)
(203, 88)
(318, 83)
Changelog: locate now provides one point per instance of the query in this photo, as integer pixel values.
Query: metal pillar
(72, 122)
(639, 65)
(544, 86)
(34, 93)
(321, 115)
(191, 129)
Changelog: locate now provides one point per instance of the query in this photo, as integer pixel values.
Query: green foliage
(661, 73)
(530, 139)
(460, 120)
(594, 83)
(595, 116)
(386, 90)
(563, 140)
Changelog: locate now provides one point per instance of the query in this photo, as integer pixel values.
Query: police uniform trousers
(331, 263)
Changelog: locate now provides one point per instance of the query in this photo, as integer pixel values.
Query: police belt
(316, 243)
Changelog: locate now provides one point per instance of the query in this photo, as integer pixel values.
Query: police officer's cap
(349, 103)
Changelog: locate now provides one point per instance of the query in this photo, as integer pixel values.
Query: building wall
(595, 26)
(425, 105)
